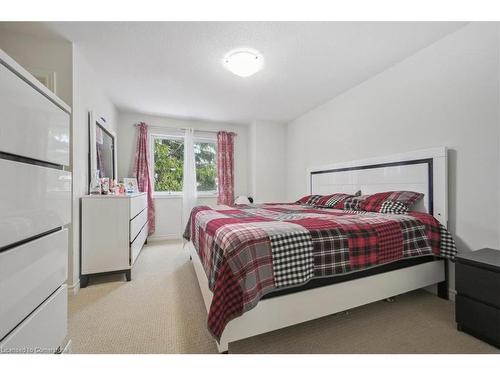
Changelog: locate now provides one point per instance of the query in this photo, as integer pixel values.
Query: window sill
(179, 195)
(207, 195)
(167, 196)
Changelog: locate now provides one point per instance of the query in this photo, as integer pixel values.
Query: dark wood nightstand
(477, 280)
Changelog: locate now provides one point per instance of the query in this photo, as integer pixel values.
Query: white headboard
(424, 171)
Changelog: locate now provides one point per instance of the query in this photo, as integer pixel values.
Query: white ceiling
(175, 68)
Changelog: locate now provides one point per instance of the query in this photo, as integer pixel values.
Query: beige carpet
(161, 311)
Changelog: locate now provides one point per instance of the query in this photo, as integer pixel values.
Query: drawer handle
(26, 160)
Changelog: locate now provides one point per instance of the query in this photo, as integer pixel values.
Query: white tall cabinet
(35, 208)
(114, 230)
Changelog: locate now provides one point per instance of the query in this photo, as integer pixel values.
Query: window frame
(152, 138)
(208, 139)
(198, 138)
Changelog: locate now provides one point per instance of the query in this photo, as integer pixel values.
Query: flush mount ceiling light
(243, 62)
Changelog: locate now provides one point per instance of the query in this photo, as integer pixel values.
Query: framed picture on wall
(131, 185)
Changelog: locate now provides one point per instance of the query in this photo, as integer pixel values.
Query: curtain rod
(172, 128)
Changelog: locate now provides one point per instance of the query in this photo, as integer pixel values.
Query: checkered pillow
(393, 207)
(309, 200)
(333, 200)
(374, 202)
(354, 203)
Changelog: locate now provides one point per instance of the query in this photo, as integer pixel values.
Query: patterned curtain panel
(142, 173)
(225, 167)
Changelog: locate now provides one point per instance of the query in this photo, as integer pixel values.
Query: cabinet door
(28, 274)
(33, 200)
(478, 318)
(31, 125)
(478, 283)
(44, 330)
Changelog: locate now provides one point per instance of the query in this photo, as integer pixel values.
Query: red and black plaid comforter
(249, 251)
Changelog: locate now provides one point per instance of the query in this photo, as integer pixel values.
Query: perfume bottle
(95, 184)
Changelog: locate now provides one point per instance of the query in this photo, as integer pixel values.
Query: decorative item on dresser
(477, 278)
(34, 209)
(114, 230)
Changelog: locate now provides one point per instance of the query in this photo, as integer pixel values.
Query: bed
(265, 267)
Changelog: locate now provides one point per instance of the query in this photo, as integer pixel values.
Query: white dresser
(114, 230)
(35, 207)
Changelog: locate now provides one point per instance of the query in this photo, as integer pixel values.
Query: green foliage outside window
(205, 155)
(169, 162)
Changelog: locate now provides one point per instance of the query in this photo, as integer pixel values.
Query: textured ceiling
(175, 69)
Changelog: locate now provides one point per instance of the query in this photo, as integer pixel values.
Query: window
(168, 158)
(205, 156)
(167, 153)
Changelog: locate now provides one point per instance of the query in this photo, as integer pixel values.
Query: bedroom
(217, 187)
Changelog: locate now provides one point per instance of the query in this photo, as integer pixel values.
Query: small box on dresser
(477, 306)
(114, 230)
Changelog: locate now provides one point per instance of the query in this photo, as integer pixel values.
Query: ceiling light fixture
(243, 62)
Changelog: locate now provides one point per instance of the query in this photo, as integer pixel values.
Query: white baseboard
(67, 347)
(433, 289)
(74, 289)
(451, 294)
(164, 237)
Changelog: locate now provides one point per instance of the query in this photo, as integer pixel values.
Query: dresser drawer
(31, 125)
(478, 319)
(44, 330)
(33, 200)
(136, 246)
(28, 274)
(137, 204)
(137, 223)
(478, 283)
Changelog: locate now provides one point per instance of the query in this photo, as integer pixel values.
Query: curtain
(189, 194)
(142, 172)
(225, 167)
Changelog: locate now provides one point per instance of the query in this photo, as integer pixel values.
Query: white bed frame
(423, 171)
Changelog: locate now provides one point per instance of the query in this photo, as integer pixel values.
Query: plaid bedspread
(249, 251)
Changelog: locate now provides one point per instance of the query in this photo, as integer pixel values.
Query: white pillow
(241, 200)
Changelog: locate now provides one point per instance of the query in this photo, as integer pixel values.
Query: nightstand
(477, 280)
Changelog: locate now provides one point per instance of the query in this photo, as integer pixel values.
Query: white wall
(169, 209)
(445, 95)
(88, 95)
(42, 54)
(267, 167)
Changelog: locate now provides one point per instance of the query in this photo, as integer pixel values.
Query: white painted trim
(67, 348)
(164, 237)
(165, 195)
(74, 289)
(452, 293)
(283, 311)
